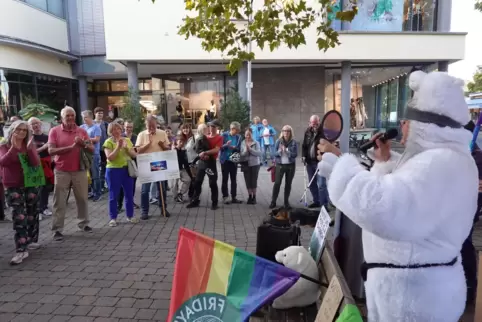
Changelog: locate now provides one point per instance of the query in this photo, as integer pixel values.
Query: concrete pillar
(242, 79)
(345, 105)
(348, 234)
(443, 66)
(444, 15)
(132, 78)
(83, 93)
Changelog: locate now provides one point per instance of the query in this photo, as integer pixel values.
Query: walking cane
(163, 205)
(304, 182)
(309, 184)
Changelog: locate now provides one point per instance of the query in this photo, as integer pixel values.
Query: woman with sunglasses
(23, 200)
(286, 151)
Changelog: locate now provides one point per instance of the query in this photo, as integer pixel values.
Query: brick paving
(123, 273)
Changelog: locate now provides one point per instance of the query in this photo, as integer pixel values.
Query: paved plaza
(122, 273)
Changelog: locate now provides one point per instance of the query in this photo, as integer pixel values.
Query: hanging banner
(157, 166)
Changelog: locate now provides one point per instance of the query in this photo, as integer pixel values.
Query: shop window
(147, 85)
(101, 86)
(393, 102)
(90, 87)
(55, 7)
(119, 86)
(419, 15)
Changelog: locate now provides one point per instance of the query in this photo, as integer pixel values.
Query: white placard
(157, 166)
(319, 234)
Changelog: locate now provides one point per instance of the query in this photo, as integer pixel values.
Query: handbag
(132, 168)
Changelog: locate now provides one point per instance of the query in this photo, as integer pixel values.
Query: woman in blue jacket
(286, 151)
(266, 136)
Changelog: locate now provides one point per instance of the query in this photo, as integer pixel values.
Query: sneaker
(18, 258)
(96, 198)
(209, 172)
(214, 206)
(193, 204)
(87, 229)
(314, 205)
(33, 246)
(226, 201)
(58, 236)
(40, 216)
(236, 201)
(253, 200)
(133, 220)
(250, 200)
(90, 196)
(112, 223)
(153, 201)
(144, 217)
(287, 206)
(178, 198)
(47, 213)
(136, 206)
(272, 205)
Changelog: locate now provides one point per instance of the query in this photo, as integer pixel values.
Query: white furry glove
(325, 166)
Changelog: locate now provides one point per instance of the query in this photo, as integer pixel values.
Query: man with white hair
(312, 137)
(65, 143)
(95, 133)
(415, 209)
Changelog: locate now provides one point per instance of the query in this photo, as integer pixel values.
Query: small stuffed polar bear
(303, 292)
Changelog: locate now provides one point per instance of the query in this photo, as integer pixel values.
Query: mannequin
(361, 115)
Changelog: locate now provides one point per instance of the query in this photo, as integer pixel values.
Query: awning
(474, 103)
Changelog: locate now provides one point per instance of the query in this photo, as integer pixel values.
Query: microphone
(388, 135)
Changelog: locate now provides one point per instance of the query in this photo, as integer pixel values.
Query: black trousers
(287, 171)
(213, 181)
(469, 263)
(229, 170)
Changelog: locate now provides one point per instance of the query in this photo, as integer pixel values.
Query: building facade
(90, 52)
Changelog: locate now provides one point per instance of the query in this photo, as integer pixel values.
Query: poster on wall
(157, 166)
(378, 15)
(334, 8)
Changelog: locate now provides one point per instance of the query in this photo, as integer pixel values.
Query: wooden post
(163, 205)
(478, 301)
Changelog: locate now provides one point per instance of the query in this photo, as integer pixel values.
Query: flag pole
(313, 280)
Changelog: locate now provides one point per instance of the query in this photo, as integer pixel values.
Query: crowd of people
(95, 159)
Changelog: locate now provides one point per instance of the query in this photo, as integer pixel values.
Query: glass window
(395, 15)
(147, 85)
(101, 86)
(41, 4)
(90, 87)
(383, 103)
(119, 86)
(419, 15)
(56, 7)
(393, 102)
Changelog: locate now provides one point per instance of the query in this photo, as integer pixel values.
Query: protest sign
(157, 166)
(319, 234)
(33, 176)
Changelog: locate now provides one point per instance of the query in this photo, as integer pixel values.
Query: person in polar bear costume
(303, 292)
(415, 209)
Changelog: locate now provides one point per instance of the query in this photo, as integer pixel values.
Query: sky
(466, 19)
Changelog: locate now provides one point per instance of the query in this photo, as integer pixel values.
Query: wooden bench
(328, 268)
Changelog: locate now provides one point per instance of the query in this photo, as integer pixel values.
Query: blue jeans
(118, 178)
(266, 148)
(95, 175)
(145, 190)
(323, 190)
(314, 188)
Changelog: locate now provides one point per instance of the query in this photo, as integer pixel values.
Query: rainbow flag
(214, 281)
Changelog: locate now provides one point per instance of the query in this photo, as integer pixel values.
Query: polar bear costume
(415, 209)
(303, 292)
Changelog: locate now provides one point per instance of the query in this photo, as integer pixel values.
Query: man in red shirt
(65, 144)
(207, 165)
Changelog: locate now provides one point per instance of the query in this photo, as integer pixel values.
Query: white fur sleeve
(385, 167)
(400, 205)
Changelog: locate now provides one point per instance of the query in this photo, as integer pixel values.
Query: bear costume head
(436, 114)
